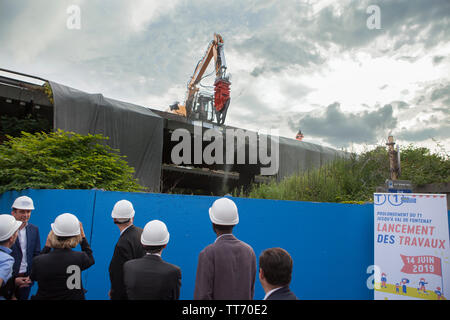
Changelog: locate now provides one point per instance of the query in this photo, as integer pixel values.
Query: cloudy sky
(325, 67)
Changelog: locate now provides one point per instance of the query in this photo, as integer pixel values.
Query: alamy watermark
(74, 280)
(227, 147)
(374, 20)
(373, 282)
(73, 21)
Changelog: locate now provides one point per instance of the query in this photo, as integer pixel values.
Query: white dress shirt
(270, 292)
(125, 229)
(23, 247)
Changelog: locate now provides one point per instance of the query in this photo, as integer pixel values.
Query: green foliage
(354, 179)
(422, 167)
(48, 91)
(13, 126)
(63, 160)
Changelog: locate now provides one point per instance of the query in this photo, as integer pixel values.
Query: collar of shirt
(125, 229)
(270, 292)
(225, 234)
(6, 249)
(153, 254)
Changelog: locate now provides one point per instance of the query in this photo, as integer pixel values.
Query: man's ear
(261, 274)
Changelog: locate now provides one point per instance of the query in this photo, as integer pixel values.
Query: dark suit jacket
(283, 293)
(151, 278)
(50, 270)
(33, 248)
(226, 270)
(128, 247)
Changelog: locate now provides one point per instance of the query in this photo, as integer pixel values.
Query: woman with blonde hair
(58, 271)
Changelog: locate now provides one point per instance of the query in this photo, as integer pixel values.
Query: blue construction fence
(331, 244)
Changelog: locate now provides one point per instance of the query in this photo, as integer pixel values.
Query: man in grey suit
(150, 277)
(226, 269)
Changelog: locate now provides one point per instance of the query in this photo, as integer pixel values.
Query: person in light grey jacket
(226, 269)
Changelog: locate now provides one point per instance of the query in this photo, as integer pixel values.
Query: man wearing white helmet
(226, 269)
(9, 227)
(150, 277)
(128, 247)
(27, 245)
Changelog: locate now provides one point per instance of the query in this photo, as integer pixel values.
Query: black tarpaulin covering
(297, 156)
(136, 131)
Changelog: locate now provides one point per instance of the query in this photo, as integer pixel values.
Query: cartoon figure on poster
(383, 280)
(421, 288)
(438, 293)
(404, 287)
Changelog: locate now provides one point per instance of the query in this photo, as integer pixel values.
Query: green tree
(63, 160)
(421, 166)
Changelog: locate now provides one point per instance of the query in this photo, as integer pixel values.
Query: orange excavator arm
(221, 85)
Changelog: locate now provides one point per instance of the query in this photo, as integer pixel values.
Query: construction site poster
(411, 246)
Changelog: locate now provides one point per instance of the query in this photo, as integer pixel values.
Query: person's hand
(82, 230)
(23, 282)
(109, 294)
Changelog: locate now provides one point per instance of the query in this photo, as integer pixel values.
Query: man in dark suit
(128, 247)
(226, 269)
(275, 270)
(26, 247)
(150, 277)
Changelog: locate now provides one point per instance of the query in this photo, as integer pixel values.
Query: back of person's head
(155, 236)
(276, 264)
(66, 232)
(123, 212)
(224, 212)
(58, 242)
(222, 229)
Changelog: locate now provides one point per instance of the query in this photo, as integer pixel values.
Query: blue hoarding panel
(331, 244)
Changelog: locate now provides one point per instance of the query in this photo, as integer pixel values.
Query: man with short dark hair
(226, 269)
(26, 247)
(275, 270)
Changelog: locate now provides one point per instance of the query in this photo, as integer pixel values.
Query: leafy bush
(63, 160)
(422, 167)
(355, 179)
(13, 126)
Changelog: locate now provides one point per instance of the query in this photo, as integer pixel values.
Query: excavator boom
(196, 104)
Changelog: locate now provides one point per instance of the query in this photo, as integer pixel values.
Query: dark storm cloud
(306, 42)
(442, 92)
(402, 21)
(280, 53)
(415, 135)
(340, 129)
(401, 105)
(438, 59)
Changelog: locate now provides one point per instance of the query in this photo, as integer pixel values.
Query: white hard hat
(23, 203)
(224, 212)
(155, 234)
(66, 225)
(123, 209)
(8, 225)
